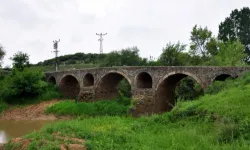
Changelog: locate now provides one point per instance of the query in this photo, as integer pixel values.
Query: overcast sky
(31, 25)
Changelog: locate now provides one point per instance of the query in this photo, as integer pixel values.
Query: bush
(188, 89)
(20, 85)
(121, 99)
(125, 88)
(51, 92)
(3, 106)
(215, 88)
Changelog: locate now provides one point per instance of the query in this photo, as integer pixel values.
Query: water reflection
(3, 137)
(12, 129)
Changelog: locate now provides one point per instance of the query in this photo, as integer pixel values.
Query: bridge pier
(87, 94)
(143, 101)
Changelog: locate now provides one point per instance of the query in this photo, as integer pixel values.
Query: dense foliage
(3, 105)
(236, 27)
(188, 89)
(22, 85)
(172, 55)
(20, 60)
(125, 88)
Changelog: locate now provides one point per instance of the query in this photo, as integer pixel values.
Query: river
(12, 129)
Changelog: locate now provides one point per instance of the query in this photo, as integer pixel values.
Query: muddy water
(12, 129)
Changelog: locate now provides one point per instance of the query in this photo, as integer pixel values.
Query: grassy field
(220, 120)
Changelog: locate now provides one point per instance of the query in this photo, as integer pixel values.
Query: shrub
(26, 84)
(215, 88)
(121, 99)
(3, 106)
(125, 88)
(50, 92)
(188, 89)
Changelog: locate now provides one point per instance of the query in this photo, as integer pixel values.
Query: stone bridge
(152, 87)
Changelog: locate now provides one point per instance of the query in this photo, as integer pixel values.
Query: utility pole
(101, 39)
(55, 45)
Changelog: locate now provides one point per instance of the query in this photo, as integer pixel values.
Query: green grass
(100, 108)
(220, 120)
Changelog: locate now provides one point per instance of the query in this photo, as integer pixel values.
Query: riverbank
(29, 112)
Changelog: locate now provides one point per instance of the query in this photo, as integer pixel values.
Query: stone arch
(106, 87)
(222, 77)
(144, 80)
(165, 91)
(88, 80)
(52, 80)
(69, 86)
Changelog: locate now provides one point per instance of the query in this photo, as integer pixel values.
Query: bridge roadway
(152, 87)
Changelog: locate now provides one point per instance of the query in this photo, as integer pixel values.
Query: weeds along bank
(218, 120)
(116, 107)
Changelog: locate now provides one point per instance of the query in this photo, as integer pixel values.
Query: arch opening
(69, 86)
(222, 77)
(144, 80)
(88, 80)
(108, 86)
(52, 80)
(174, 87)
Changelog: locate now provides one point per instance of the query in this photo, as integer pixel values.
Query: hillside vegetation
(219, 120)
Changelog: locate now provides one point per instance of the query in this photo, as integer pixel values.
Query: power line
(55, 45)
(101, 39)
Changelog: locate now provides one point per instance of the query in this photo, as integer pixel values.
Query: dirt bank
(30, 112)
(64, 142)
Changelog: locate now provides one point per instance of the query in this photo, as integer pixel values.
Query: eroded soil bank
(29, 112)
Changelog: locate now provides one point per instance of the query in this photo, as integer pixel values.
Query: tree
(202, 42)
(127, 57)
(20, 60)
(2, 53)
(171, 55)
(230, 53)
(237, 27)
(130, 56)
(112, 59)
